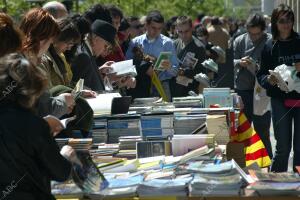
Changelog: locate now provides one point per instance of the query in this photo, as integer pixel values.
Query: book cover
(162, 56)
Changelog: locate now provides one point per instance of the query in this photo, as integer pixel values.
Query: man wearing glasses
(247, 56)
(191, 53)
(136, 28)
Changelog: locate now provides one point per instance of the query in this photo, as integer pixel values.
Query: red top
(117, 54)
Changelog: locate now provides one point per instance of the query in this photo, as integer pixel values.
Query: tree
(168, 8)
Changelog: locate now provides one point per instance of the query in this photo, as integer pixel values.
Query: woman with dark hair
(11, 36)
(29, 156)
(115, 53)
(83, 27)
(60, 75)
(54, 62)
(284, 48)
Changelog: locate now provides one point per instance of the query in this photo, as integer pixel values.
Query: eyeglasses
(285, 21)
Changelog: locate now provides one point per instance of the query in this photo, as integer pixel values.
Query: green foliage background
(140, 7)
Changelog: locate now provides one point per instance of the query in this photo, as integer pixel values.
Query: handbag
(292, 103)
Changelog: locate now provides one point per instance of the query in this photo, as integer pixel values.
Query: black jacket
(29, 156)
(198, 48)
(84, 66)
(276, 53)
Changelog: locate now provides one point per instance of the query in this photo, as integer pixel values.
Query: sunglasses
(285, 21)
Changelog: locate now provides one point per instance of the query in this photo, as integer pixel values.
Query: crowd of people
(44, 55)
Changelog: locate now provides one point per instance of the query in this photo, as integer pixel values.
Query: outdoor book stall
(182, 150)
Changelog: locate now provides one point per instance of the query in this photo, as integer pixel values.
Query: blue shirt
(153, 48)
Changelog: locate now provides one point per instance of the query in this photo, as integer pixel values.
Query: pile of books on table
(100, 130)
(157, 124)
(125, 125)
(267, 184)
(215, 180)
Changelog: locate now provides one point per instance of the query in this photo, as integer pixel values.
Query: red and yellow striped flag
(255, 150)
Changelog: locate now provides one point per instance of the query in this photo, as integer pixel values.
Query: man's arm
(238, 50)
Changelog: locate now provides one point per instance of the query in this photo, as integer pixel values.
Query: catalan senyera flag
(255, 150)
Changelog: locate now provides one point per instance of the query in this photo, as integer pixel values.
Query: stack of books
(158, 124)
(83, 144)
(104, 149)
(62, 142)
(164, 187)
(190, 101)
(285, 183)
(125, 125)
(215, 180)
(188, 123)
(129, 142)
(128, 153)
(220, 96)
(100, 130)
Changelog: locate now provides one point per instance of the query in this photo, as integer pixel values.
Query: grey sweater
(243, 46)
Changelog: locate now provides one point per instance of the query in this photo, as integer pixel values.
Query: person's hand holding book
(272, 79)
(54, 124)
(166, 64)
(88, 94)
(127, 81)
(106, 68)
(70, 101)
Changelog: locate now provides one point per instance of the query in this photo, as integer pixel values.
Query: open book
(162, 56)
(101, 105)
(76, 92)
(65, 121)
(124, 68)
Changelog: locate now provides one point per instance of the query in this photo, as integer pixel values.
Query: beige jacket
(218, 36)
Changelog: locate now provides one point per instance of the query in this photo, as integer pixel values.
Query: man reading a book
(191, 52)
(153, 43)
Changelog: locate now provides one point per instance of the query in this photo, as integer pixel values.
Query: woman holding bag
(284, 48)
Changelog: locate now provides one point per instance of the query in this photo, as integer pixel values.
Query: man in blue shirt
(153, 43)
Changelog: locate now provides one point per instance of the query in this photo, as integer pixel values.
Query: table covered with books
(167, 152)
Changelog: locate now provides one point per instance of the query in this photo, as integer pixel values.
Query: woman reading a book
(284, 48)
(29, 156)
(40, 30)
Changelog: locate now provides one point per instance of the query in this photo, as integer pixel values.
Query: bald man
(56, 9)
